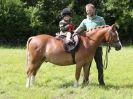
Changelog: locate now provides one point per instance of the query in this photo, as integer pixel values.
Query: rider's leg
(68, 37)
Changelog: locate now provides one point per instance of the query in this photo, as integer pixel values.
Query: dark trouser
(99, 64)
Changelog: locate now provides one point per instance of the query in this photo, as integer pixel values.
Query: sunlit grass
(55, 82)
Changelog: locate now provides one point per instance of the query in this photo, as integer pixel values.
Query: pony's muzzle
(118, 46)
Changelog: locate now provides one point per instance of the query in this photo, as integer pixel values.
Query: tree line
(20, 19)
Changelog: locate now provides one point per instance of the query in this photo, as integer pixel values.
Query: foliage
(20, 19)
(14, 24)
(123, 13)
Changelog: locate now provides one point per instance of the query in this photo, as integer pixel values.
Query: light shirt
(91, 22)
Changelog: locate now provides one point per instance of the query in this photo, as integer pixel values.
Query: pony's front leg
(86, 70)
(77, 75)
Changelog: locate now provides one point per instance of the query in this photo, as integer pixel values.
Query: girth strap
(73, 56)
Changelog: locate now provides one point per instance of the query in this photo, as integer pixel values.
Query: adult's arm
(81, 27)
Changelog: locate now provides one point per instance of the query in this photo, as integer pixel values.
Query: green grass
(55, 82)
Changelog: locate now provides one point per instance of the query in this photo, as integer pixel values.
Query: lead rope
(106, 57)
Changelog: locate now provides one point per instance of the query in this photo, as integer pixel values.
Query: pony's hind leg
(34, 59)
(30, 75)
(31, 72)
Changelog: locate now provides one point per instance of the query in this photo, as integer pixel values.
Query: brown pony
(47, 48)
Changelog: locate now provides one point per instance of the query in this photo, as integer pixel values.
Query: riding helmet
(66, 11)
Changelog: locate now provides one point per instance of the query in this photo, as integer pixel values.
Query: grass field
(55, 82)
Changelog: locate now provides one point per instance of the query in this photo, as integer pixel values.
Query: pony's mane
(99, 27)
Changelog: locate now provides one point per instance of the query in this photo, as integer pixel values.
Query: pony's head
(112, 38)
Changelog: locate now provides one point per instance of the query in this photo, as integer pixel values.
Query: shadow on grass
(70, 84)
(111, 86)
(106, 87)
(57, 82)
(119, 86)
(67, 84)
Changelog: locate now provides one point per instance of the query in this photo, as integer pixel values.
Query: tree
(123, 13)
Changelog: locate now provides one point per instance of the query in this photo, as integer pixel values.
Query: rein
(108, 48)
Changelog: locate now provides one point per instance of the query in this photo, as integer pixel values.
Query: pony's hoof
(75, 85)
(85, 83)
(27, 86)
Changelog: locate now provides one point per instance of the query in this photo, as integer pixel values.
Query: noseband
(116, 41)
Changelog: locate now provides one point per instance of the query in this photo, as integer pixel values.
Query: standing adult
(90, 22)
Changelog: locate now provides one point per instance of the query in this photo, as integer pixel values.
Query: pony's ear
(114, 27)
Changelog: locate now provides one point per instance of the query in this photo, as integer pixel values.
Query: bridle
(108, 48)
(111, 38)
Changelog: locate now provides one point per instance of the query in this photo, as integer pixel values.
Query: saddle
(71, 46)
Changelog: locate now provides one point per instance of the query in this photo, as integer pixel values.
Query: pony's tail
(27, 51)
